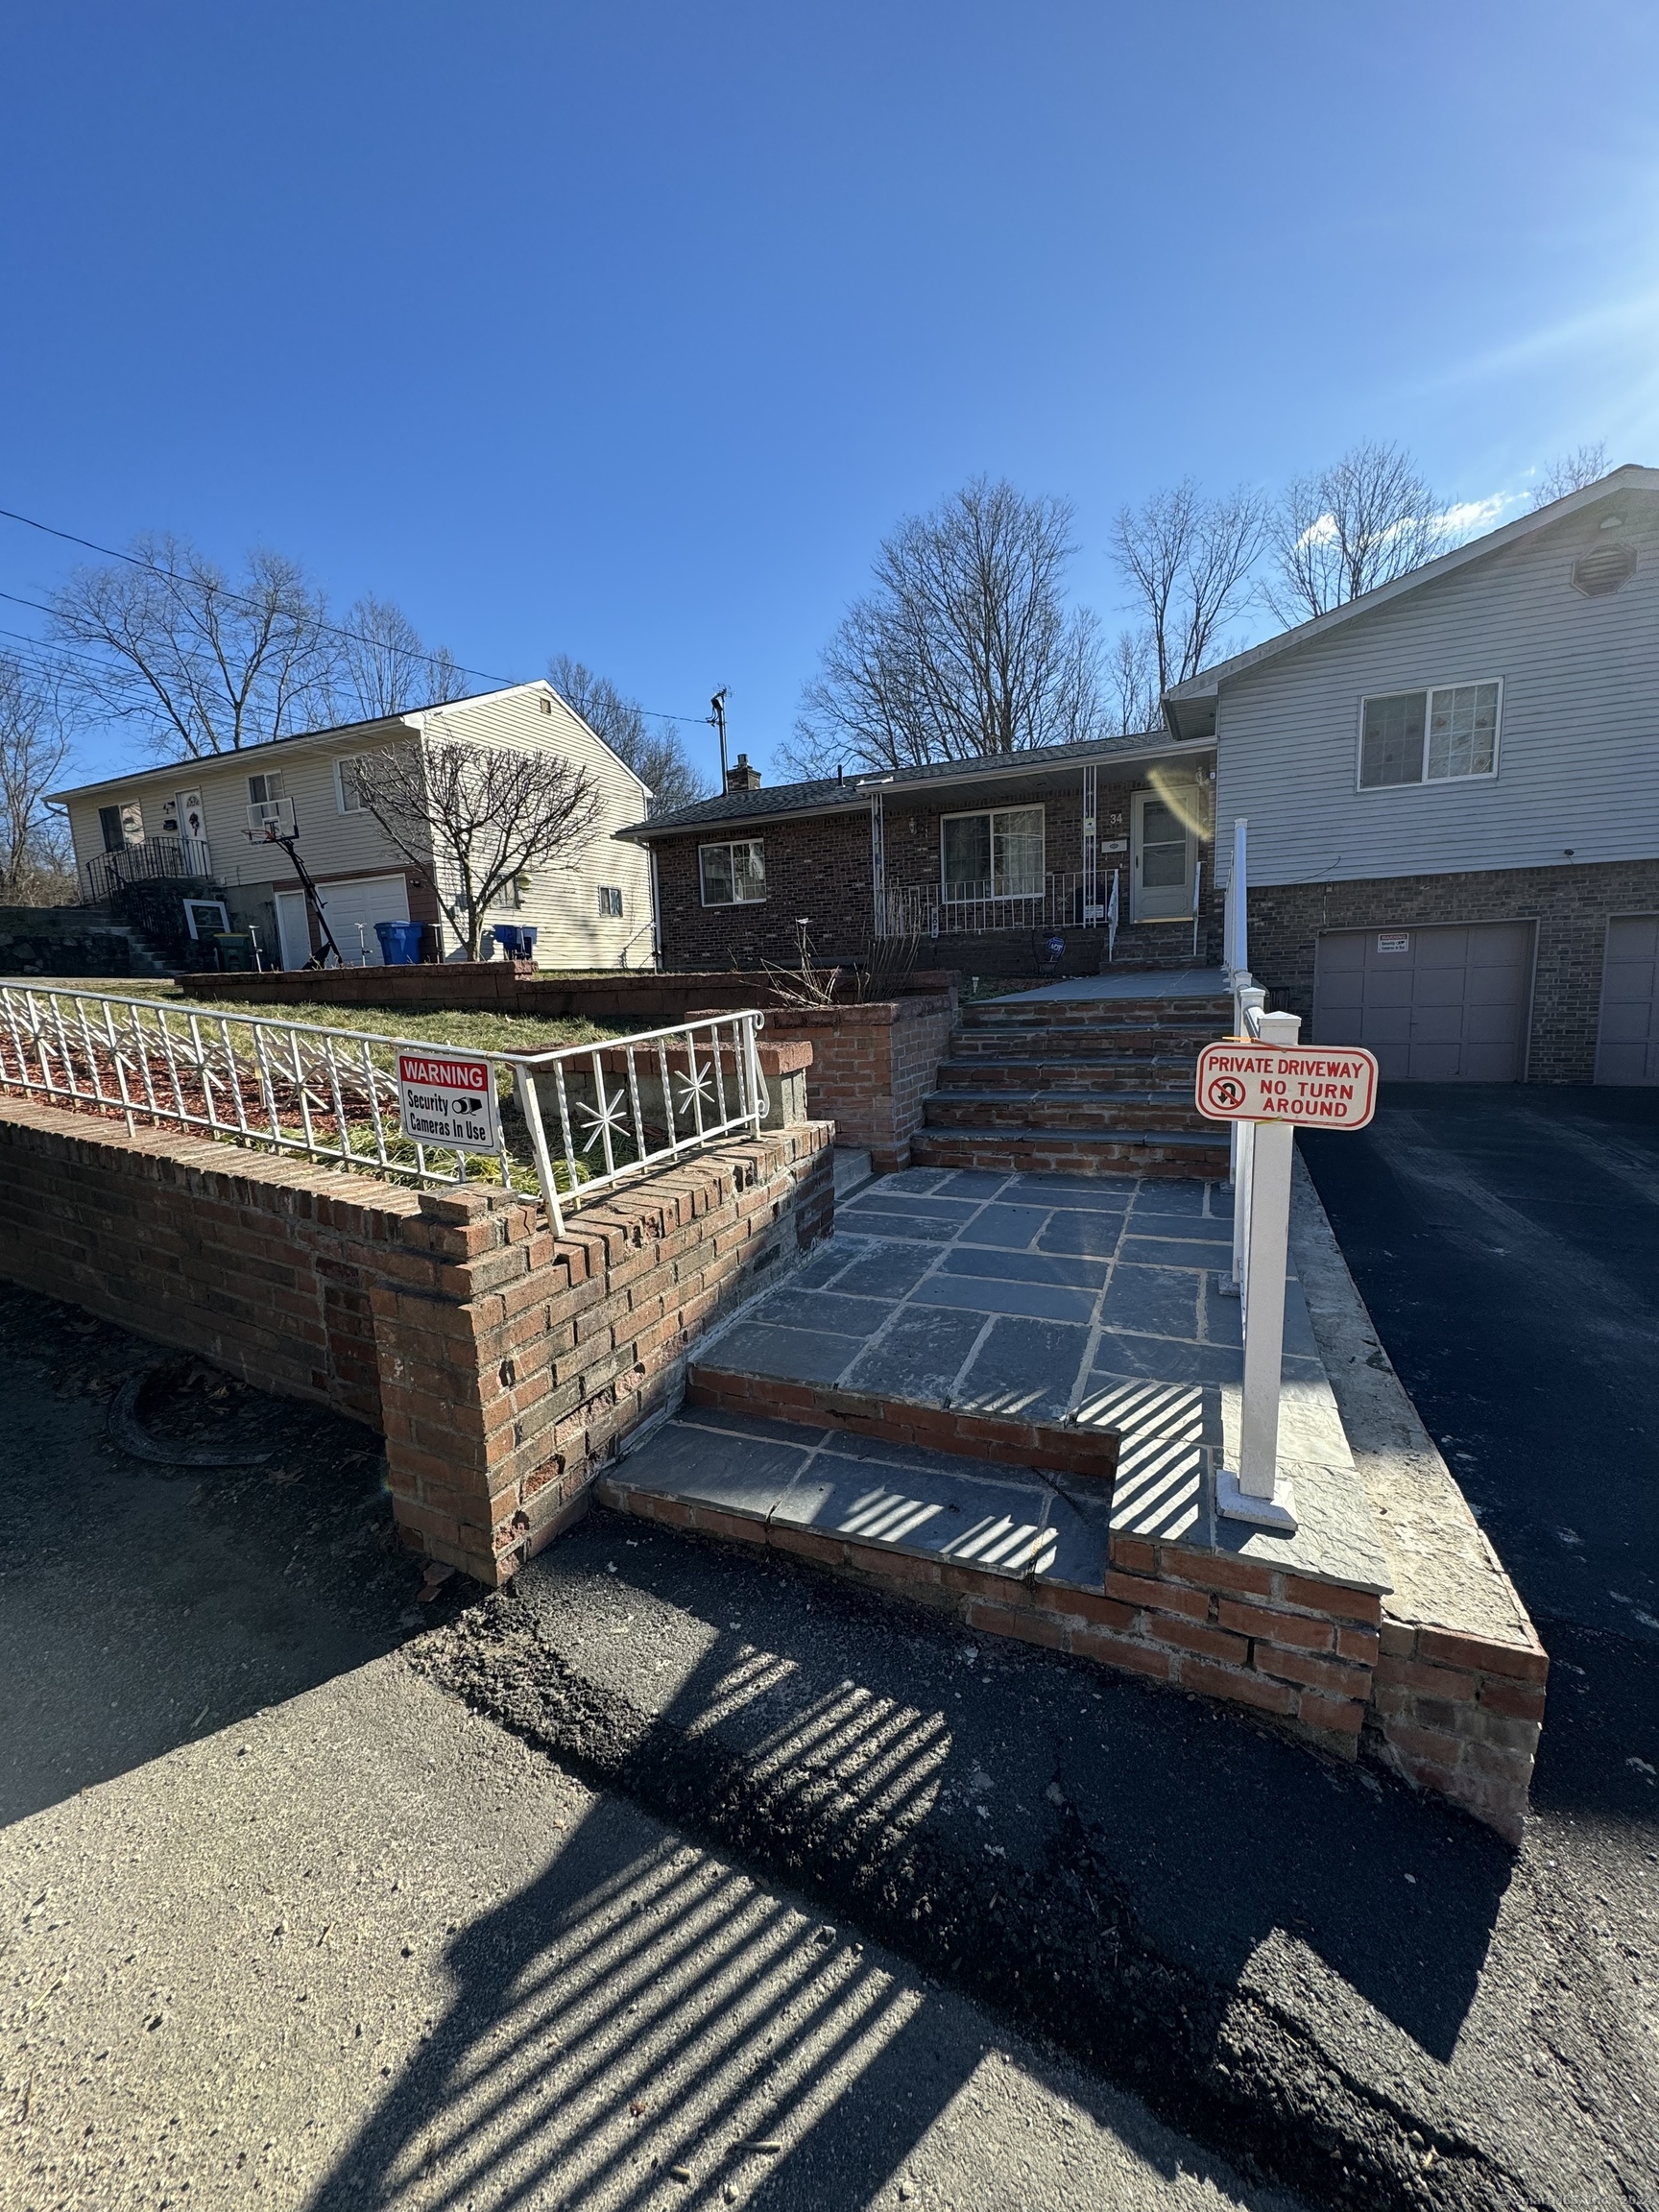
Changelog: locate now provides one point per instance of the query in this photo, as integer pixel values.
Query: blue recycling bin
(400, 943)
(516, 940)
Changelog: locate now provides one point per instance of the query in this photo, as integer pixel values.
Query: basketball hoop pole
(313, 903)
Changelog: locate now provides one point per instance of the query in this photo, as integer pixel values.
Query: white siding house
(185, 827)
(1471, 749)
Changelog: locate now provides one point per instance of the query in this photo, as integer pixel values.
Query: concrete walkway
(1132, 983)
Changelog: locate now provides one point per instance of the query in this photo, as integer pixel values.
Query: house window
(1430, 736)
(262, 790)
(122, 825)
(611, 898)
(992, 856)
(733, 874)
(346, 788)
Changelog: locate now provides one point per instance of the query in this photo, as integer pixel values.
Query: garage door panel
(1446, 1004)
(1627, 1038)
(352, 909)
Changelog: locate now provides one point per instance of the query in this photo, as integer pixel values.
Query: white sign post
(447, 1098)
(1271, 1085)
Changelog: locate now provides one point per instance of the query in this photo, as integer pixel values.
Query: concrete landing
(1130, 983)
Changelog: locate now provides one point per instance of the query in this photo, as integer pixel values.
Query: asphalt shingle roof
(826, 793)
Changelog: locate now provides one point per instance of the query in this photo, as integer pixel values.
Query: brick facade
(1570, 907)
(819, 867)
(503, 1366)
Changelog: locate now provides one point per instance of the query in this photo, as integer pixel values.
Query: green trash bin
(233, 950)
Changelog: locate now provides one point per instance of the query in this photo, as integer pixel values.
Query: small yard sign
(1315, 1086)
(447, 1100)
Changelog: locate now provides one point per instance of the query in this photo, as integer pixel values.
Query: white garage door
(352, 909)
(1446, 1004)
(1627, 1043)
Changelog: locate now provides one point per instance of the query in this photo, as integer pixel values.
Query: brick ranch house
(1452, 801)
(1103, 845)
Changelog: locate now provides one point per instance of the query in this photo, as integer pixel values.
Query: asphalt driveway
(1506, 1241)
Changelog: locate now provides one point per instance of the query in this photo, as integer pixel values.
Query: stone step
(987, 1015)
(1047, 1109)
(1087, 1072)
(1066, 1152)
(1143, 1041)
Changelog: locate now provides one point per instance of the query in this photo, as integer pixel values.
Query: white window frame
(344, 761)
(990, 814)
(731, 845)
(1425, 782)
(614, 891)
(265, 796)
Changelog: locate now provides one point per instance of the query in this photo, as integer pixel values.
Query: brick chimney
(743, 777)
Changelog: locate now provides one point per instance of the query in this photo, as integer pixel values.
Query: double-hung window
(349, 792)
(1437, 735)
(997, 855)
(733, 874)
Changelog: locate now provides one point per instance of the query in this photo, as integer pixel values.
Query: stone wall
(504, 1365)
(1568, 905)
(62, 941)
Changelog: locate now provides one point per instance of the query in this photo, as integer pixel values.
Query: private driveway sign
(446, 1099)
(1328, 1087)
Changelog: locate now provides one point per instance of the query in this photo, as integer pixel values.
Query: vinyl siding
(563, 902)
(1578, 744)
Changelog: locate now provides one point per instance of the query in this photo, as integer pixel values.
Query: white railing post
(1253, 1491)
(1249, 1001)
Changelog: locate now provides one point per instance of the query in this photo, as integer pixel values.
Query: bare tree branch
(964, 647)
(205, 667)
(35, 864)
(659, 760)
(1570, 473)
(476, 818)
(1188, 560)
(385, 668)
(1364, 520)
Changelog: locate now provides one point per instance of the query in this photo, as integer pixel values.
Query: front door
(293, 929)
(1160, 861)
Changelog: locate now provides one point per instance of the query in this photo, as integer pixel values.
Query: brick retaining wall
(503, 1366)
(1570, 906)
(872, 1067)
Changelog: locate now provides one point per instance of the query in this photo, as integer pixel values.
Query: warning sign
(444, 1100)
(1316, 1086)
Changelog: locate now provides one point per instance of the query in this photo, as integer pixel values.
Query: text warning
(443, 1100)
(1316, 1086)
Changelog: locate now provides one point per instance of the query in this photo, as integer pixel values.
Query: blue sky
(627, 329)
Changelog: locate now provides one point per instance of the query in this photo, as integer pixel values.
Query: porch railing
(571, 1123)
(977, 909)
(159, 859)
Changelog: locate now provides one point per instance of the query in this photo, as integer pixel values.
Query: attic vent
(1608, 569)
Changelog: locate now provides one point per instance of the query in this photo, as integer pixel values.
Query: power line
(239, 599)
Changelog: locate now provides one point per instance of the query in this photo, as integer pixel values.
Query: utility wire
(239, 599)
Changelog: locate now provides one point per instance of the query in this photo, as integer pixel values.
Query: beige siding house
(187, 825)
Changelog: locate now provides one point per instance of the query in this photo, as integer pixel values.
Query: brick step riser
(1052, 1152)
(1090, 1078)
(1099, 1013)
(1082, 1116)
(1084, 1044)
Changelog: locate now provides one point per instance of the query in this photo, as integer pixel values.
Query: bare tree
(963, 649)
(205, 666)
(1359, 523)
(385, 669)
(1187, 562)
(1132, 683)
(36, 866)
(1570, 473)
(659, 759)
(476, 818)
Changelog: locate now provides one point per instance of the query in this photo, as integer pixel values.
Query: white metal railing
(979, 909)
(162, 859)
(578, 1119)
